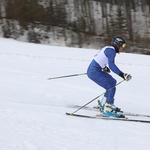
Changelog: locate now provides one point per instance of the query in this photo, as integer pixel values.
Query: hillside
(32, 108)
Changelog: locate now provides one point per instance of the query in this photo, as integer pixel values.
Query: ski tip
(70, 114)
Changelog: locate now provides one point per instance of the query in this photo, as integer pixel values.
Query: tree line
(80, 23)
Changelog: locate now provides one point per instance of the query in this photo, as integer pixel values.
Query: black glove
(126, 76)
(106, 69)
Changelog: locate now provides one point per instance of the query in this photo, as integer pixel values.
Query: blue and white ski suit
(104, 57)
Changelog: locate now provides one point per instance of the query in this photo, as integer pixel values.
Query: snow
(32, 108)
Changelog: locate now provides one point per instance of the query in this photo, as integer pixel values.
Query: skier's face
(120, 49)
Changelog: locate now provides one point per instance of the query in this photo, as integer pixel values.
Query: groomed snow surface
(32, 108)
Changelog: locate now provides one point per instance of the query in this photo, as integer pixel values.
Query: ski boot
(101, 105)
(111, 111)
(98, 105)
(114, 108)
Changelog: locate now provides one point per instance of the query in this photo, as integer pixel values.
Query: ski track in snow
(68, 59)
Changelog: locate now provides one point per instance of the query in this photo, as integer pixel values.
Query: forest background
(77, 23)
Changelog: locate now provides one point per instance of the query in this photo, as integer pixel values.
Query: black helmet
(117, 42)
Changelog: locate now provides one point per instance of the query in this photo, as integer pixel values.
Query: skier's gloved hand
(106, 69)
(126, 76)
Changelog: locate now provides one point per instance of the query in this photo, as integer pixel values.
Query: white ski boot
(111, 111)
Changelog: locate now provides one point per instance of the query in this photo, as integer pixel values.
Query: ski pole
(97, 97)
(67, 76)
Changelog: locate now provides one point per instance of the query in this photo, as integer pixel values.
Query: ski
(97, 109)
(108, 118)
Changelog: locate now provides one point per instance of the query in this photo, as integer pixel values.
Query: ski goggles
(123, 45)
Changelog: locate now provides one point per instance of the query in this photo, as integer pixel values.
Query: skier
(99, 70)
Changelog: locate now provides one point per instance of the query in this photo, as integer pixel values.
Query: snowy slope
(32, 108)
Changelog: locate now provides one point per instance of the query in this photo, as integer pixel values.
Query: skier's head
(118, 43)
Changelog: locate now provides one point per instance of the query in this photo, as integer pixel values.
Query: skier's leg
(106, 81)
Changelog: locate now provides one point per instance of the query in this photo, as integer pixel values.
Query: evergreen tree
(118, 23)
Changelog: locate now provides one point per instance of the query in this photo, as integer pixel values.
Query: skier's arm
(110, 53)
